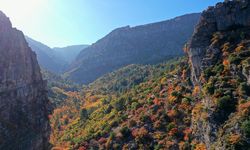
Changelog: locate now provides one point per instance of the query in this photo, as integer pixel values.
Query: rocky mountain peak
(228, 15)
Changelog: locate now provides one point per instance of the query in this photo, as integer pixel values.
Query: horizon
(82, 22)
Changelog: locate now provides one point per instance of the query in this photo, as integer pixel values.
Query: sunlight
(20, 10)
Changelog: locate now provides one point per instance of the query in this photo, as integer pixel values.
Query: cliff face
(219, 54)
(223, 17)
(146, 44)
(23, 95)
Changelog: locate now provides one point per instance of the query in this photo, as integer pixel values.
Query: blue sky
(69, 22)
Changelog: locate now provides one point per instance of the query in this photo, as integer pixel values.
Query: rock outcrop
(146, 44)
(222, 17)
(23, 95)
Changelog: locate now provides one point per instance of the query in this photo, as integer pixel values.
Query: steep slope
(69, 53)
(47, 57)
(23, 95)
(147, 44)
(219, 53)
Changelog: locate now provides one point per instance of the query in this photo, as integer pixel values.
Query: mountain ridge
(146, 44)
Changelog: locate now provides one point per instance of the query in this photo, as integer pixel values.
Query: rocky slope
(220, 47)
(23, 95)
(147, 44)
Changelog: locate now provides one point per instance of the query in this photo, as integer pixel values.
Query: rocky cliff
(146, 44)
(23, 95)
(219, 55)
(225, 16)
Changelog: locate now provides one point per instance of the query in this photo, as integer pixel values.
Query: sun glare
(20, 10)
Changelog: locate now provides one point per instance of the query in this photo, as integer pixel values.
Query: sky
(59, 23)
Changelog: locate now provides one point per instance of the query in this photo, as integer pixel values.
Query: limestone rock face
(222, 17)
(23, 95)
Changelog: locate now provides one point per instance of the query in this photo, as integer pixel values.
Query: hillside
(146, 44)
(58, 87)
(200, 101)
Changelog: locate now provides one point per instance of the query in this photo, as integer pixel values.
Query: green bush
(224, 102)
(125, 131)
(219, 68)
(209, 88)
(135, 105)
(208, 73)
(244, 89)
(170, 126)
(246, 127)
(234, 59)
(84, 114)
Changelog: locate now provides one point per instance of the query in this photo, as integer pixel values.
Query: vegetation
(154, 106)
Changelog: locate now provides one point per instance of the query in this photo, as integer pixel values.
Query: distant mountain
(56, 59)
(47, 57)
(146, 44)
(69, 53)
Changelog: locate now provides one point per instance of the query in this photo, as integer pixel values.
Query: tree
(84, 114)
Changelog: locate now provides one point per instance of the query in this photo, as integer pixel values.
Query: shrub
(244, 89)
(145, 118)
(208, 73)
(234, 59)
(219, 68)
(170, 126)
(225, 106)
(125, 131)
(135, 105)
(209, 88)
(84, 114)
(119, 104)
(224, 102)
(246, 127)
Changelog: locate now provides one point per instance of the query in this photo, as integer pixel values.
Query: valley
(178, 84)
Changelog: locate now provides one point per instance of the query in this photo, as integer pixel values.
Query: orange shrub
(172, 113)
(196, 90)
(234, 138)
(196, 112)
(140, 133)
(239, 48)
(226, 62)
(244, 108)
(200, 146)
(187, 133)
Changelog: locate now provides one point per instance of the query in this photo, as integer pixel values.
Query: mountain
(146, 44)
(69, 53)
(24, 104)
(200, 101)
(55, 59)
(47, 57)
